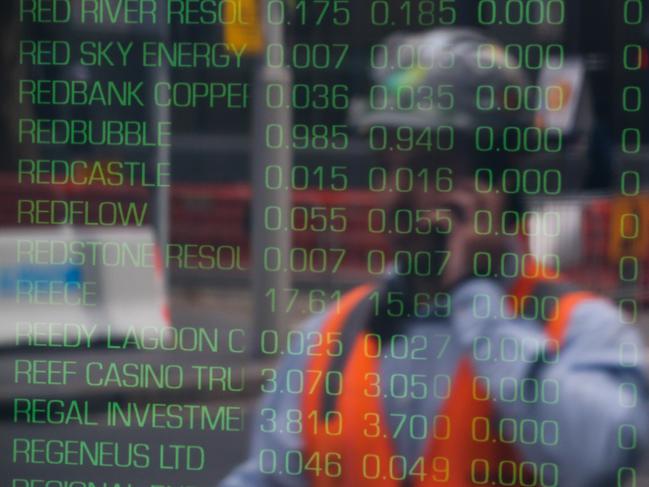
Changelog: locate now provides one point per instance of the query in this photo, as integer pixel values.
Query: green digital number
(303, 178)
(407, 97)
(633, 12)
(631, 99)
(421, 13)
(299, 259)
(516, 181)
(407, 139)
(522, 12)
(307, 137)
(521, 56)
(511, 389)
(408, 56)
(517, 139)
(407, 179)
(512, 430)
(307, 56)
(510, 472)
(302, 96)
(631, 140)
(512, 265)
(306, 219)
(513, 223)
(420, 263)
(514, 98)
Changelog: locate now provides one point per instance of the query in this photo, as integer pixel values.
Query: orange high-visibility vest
(340, 452)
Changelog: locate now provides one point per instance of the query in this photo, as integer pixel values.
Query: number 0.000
(519, 139)
(517, 12)
(516, 181)
(522, 56)
(532, 98)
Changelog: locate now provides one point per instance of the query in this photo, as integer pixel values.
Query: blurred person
(488, 370)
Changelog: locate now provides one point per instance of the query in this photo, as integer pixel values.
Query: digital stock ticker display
(324, 243)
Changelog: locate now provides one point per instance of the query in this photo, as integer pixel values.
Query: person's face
(434, 203)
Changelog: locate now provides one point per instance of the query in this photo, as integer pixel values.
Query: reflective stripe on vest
(460, 453)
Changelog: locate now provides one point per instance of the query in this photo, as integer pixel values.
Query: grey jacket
(595, 411)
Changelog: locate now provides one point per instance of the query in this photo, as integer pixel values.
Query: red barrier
(219, 214)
